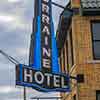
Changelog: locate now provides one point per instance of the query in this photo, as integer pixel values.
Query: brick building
(78, 38)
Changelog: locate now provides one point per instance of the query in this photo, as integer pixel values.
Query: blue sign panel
(41, 81)
(45, 51)
(43, 73)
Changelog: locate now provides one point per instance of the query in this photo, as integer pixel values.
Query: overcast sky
(15, 30)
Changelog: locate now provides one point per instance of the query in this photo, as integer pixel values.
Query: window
(67, 56)
(96, 39)
(98, 95)
(60, 62)
(70, 50)
(71, 43)
(63, 57)
(63, 60)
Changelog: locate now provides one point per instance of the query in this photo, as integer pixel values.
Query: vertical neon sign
(46, 42)
(45, 50)
(43, 73)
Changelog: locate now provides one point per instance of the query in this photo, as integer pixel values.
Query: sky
(15, 29)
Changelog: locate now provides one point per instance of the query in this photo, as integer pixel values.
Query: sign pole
(24, 93)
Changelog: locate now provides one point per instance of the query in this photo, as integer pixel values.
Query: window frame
(93, 41)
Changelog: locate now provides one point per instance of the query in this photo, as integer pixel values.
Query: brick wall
(84, 63)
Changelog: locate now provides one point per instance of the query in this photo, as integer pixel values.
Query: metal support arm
(11, 59)
(60, 6)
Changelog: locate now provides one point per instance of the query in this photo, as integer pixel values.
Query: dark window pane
(97, 95)
(96, 31)
(67, 56)
(71, 43)
(60, 62)
(63, 57)
(96, 48)
(96, 38)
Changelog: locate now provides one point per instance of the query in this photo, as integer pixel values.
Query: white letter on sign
(48, 78)
(46, 63)
(63, 83)
(45, 19)
(39, 78)
(46, 30)
(46, 40)
(26, 75)
(56, 81)
(46, 52)
(45, 8)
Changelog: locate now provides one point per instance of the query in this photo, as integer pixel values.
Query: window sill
(93, 62)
